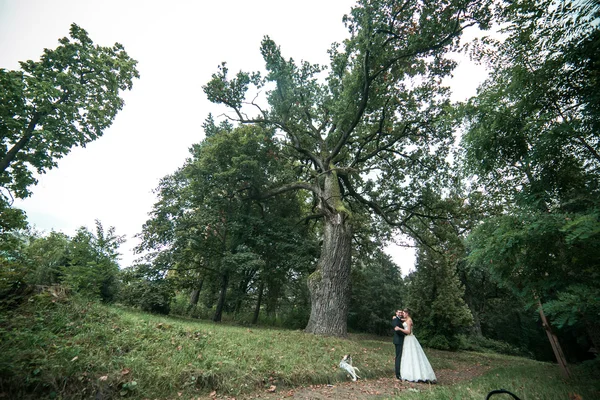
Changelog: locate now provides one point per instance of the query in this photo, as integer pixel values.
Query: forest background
(281, 214)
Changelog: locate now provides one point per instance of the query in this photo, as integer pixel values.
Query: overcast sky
(178, 45)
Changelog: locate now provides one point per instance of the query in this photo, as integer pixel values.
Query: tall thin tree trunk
(476, 328)
(195, 295)
(261, 288)
(243, 288)
(222, 296)
(558, 353)
(274, 289)
(593, 329)
(12, 153)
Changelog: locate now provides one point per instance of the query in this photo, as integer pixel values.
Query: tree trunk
(558, 353)
(329, 285)
(274, 289)
(261, 288)
(476, 328)
(593, 329)
(195, 296)
(222, 296)
(12, 153)
(243, 288)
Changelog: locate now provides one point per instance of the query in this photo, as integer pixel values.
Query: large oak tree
(367, 134)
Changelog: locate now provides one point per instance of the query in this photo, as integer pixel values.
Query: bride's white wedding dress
(414, 365)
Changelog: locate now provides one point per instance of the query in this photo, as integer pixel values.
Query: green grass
(72, 349)
(525, 378)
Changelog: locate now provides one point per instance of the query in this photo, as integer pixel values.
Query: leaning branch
(37, 116)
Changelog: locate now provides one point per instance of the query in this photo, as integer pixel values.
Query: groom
(398, 339)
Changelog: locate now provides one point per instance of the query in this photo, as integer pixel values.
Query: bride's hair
(409, 312)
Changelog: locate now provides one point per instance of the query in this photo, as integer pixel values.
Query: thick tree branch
(426, 49)
(37, 116)
(372, 205)
(588, 147)
(359, 112)
(287, 188)
(12, 153)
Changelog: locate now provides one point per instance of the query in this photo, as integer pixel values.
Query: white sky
(178, 45)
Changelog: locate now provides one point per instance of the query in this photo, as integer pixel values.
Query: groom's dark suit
(398, 342)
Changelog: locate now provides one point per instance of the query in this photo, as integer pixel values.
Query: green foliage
(66, 99)
(570, 305)
(436, 341)
(47, 257)
(531, 251)
(180, 306)
(86, 263)
(531, 141)
(435, 297)
(501, 316)
(486, 345)
(377, 291)
(10, 219)
(12, 247)
(142, 287)
(92, 268)
(210, 228)
(531, 254)
(13, 286)
(524, 378)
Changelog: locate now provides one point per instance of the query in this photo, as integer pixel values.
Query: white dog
(346, 365)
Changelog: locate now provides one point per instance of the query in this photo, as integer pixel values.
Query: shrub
(438, 342)
(150, 296)
(486, 345)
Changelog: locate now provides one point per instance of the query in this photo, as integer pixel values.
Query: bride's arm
(407, 331)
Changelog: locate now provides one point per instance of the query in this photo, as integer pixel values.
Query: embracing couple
(411, 362)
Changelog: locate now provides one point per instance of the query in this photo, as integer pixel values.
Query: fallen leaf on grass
(272, 389)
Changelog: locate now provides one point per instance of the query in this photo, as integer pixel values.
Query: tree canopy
(66, 99)
(532, 143)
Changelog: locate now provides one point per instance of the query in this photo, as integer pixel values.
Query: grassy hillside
(56, 347)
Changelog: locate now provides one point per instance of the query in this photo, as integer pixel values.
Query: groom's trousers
(398, 358)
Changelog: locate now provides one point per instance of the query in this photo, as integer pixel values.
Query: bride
(414, 365)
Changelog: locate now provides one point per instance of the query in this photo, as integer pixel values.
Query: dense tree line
(281, 213)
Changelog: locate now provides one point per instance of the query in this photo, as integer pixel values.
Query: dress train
(414, 365)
